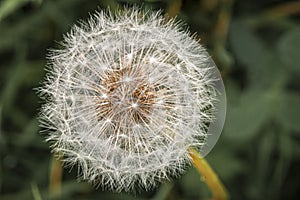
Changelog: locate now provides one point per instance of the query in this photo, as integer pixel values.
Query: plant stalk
(209, 176)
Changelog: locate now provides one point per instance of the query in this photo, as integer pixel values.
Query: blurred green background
(256, 45)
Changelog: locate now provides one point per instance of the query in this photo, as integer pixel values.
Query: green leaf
(289, 49)
(233, 167)
(163, 192)
(193, 185)
(254, 109)
(289, 111)
(246, 46)
(265, 145)
(29, 136)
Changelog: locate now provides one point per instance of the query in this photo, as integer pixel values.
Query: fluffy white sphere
(126, 97)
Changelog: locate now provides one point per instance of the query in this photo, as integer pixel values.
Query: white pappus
(125, 98)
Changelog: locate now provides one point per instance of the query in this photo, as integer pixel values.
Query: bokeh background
(256, 45)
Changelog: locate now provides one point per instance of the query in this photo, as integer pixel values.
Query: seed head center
(125, 94)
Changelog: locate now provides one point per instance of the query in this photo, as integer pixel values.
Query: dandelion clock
(127, 96)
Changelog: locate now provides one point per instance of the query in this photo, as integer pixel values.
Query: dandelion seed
(127, 96)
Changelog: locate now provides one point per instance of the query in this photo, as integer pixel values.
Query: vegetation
(255, 44)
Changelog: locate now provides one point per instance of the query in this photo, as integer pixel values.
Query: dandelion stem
(55, 177)
(210, 177)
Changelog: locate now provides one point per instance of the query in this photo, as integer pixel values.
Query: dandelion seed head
(126, 97)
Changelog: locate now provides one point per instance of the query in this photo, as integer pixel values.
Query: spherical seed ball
(126, 97)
